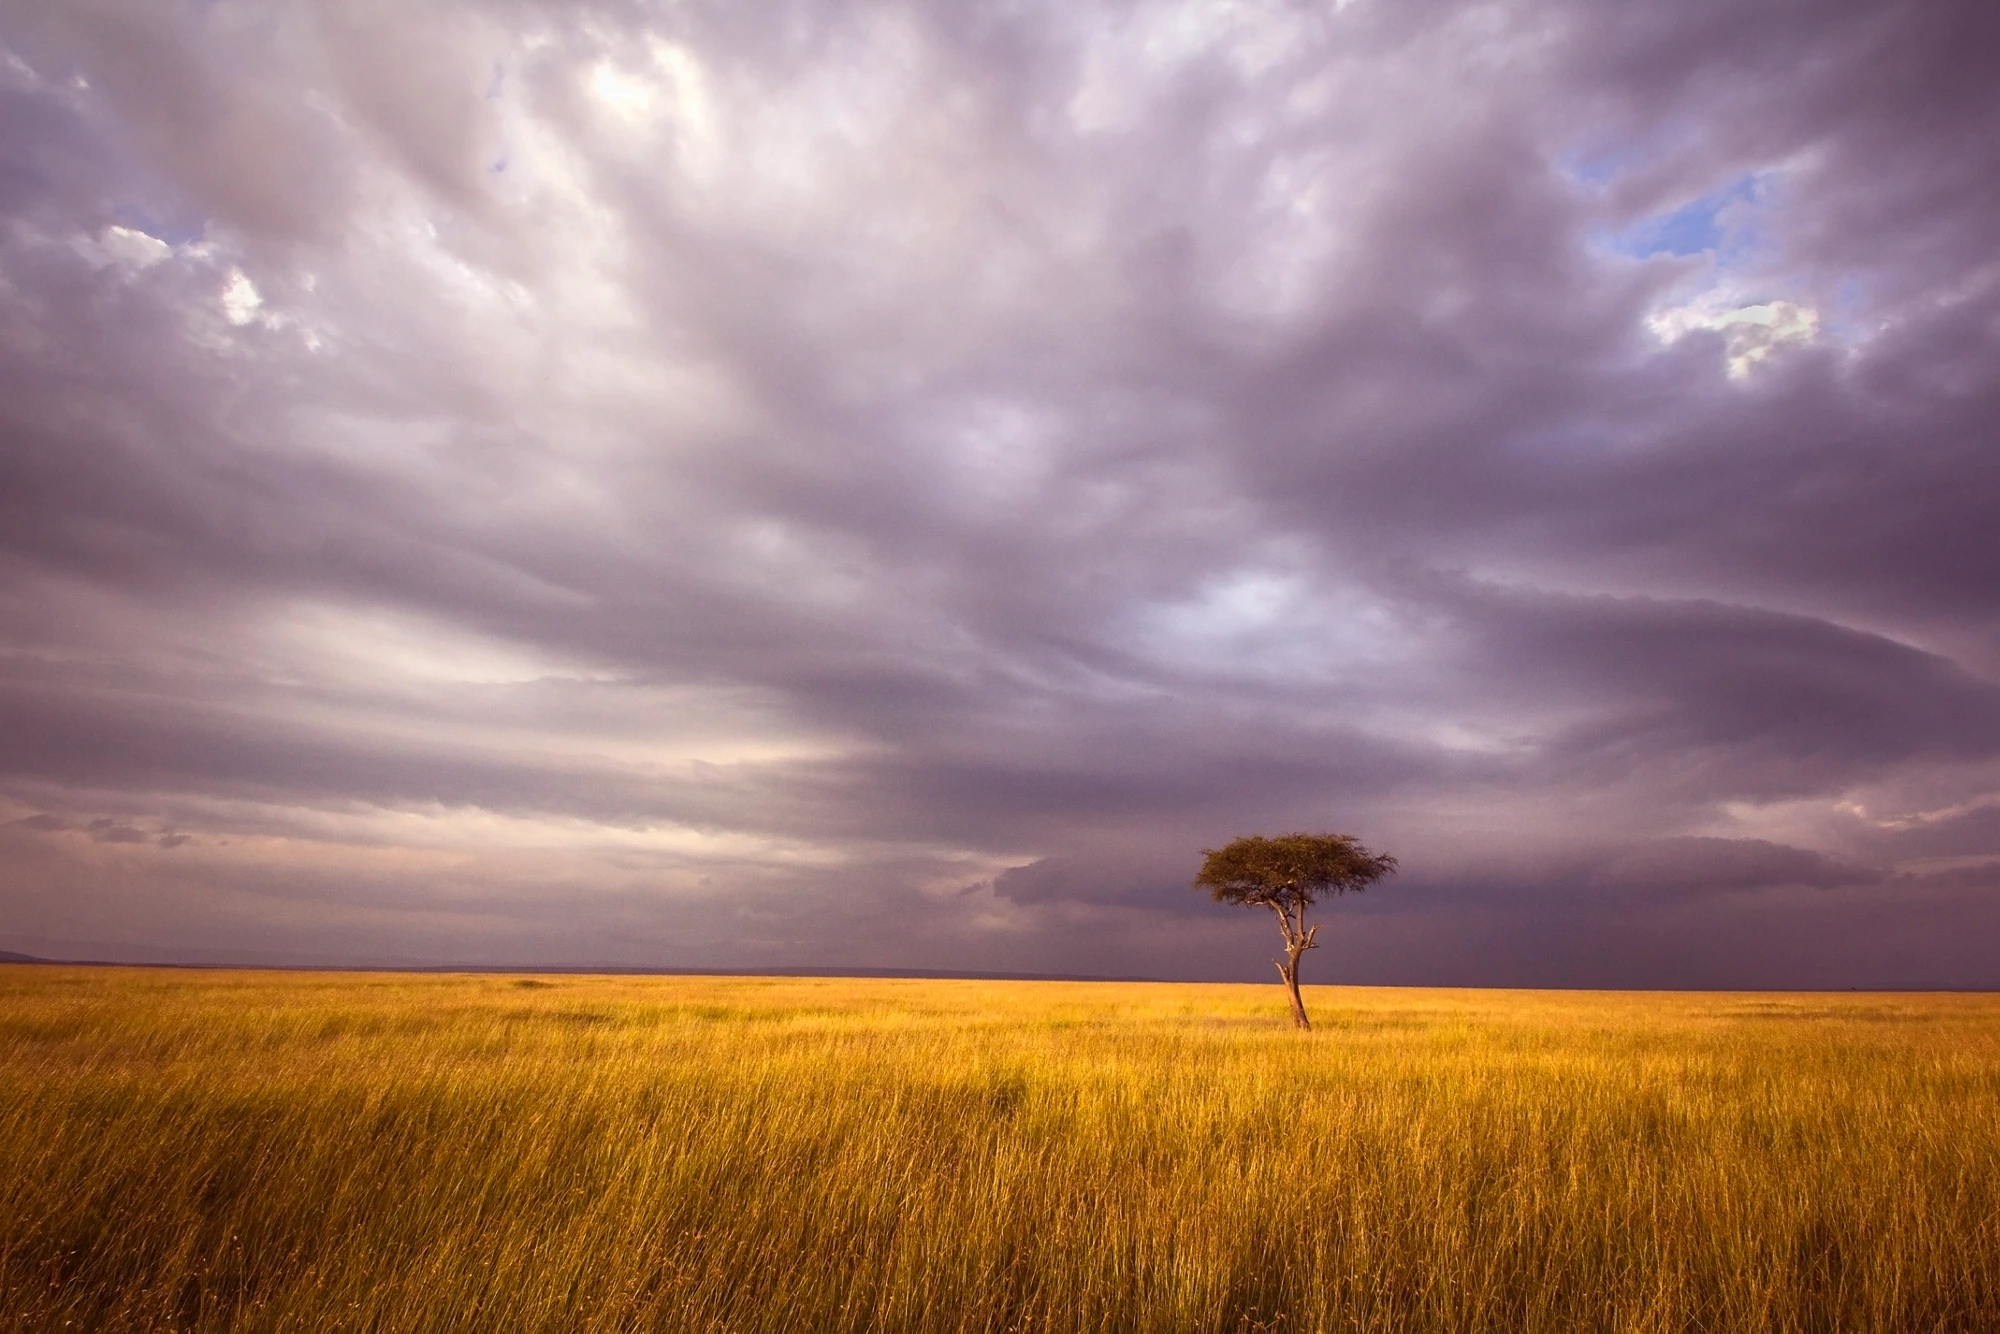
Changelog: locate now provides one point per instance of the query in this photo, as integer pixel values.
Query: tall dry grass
(184, 1150)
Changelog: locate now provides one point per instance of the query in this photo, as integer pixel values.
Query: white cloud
(124, 246)
(241, 301)
(1751, 333)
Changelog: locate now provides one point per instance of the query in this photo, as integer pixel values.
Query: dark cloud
(1980, 876)
(1723, 865)
(1159, 882)
(1942, 833)
(889, 483)
(1647, 873)
(1728, 701)
(106, 830)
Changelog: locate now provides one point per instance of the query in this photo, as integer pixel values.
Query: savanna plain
(186, 1150)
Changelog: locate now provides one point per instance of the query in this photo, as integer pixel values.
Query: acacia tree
(1288, 874)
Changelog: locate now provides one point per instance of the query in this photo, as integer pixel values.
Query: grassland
(208, 1151)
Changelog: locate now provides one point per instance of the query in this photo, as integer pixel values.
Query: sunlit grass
(210, 1150)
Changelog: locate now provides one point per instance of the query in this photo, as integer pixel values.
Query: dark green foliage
(1291, 869)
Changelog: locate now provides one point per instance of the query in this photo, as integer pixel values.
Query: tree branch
(1284, 920)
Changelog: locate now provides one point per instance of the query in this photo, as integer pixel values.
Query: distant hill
(913, 974)
(935, 974)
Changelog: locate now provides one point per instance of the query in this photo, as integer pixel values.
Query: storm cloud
(888, 483)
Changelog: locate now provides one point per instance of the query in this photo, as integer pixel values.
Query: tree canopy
(1290, 870)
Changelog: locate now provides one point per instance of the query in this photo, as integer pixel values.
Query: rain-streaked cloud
(889, 483)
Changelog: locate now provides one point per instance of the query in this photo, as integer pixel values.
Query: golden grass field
(290, 1151)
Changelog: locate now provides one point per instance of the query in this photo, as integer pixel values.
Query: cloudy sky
(885, 484)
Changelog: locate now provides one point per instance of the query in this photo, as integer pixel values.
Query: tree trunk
(1289, 970)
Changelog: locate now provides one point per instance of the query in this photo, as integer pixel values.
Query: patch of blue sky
(1596, 169)
(1697, 227)
(1848, 318)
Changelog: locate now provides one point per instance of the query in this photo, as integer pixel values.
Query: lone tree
(1288, 874)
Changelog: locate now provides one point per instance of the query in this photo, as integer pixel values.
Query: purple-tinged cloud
(887, 484)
